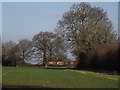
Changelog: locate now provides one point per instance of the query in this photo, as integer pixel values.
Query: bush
(105, 58)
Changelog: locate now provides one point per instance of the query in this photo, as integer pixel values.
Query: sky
(25, 19)
(0, 19)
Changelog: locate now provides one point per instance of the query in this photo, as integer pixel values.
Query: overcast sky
(25, 19)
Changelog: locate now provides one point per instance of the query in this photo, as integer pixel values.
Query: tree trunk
(44, 59)
(23, 56)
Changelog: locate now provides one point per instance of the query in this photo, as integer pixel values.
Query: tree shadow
(60, 68)
(34, 88)
(15, 87)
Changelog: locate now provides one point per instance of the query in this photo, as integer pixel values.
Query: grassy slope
(39, 77)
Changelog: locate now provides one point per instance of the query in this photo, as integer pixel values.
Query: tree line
(43, 47)
(85, 30)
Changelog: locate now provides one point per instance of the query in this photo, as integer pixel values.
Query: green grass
(54, 78)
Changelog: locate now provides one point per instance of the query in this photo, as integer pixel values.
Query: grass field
(54, 78)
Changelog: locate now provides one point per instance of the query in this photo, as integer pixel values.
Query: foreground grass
(53, 78)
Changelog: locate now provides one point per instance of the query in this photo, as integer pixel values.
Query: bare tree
(50, 45)
(0, 51)
(23, 49)
(85, 27)
(8, 53)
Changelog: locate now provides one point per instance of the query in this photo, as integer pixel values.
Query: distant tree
(118, 39)
(23, 49)
(0, 51)
(9, 57)
(49, 44)
(85, 28)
